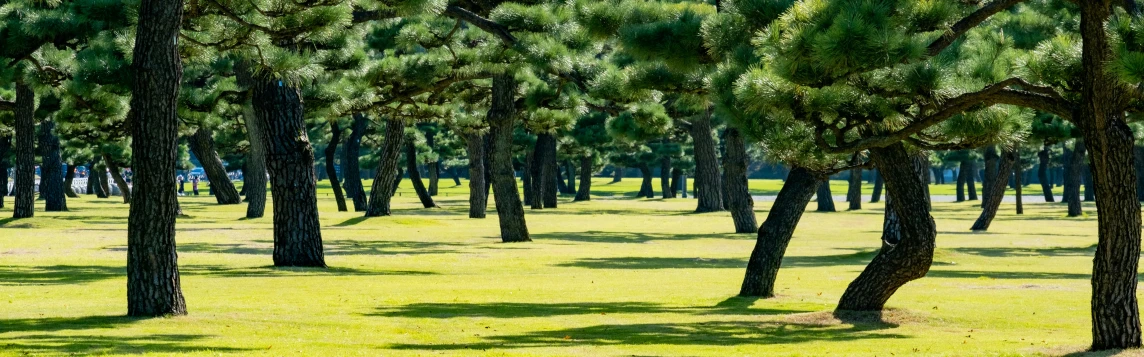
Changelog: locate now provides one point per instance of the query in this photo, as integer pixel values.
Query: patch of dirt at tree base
(1077, 351)
(887, 317)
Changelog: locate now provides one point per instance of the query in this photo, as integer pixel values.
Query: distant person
(182, 184)
(195, 184)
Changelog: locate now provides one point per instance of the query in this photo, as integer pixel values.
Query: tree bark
(202, 144)
(69, 180)
(571, 170)
(1043, 173)
(526, 176)
(990, 175)
(617, 174)
(739, 200)
(645, 187)
(290, 162)
(584, 193)
(665, 177)
(332, 171)
(415, 176)
(1073, 179)
(432, 168)
(453, 174)
(51, 179)
(825, 198)
(117, 176)
(878, 182)
(1139, 153)
(153, 286)
(5, 164)
(1086, 179)
(962, 179)
(1017, 175)
(775, 233)
(475, 147)
(351, 168)
(384, 184)
(501, 118)
(254, 179)
(676, 176)
(854, 194)
(996, 192)
(910, 257)
(543, 179)
(708, 183)
(25, 182)
(551, 176)
(104, 180)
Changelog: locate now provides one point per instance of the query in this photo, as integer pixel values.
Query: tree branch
(482, 23)
(965, 24)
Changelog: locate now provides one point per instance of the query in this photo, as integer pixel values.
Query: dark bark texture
(878, 183)
(331, 170)
(990, 174)
(125, 190)
(854, 193)
(69, 180)
(584, 193)
(25, 182)
(825, 198)
(501, 118)
(996, 192)
(1043, 173)
(665, 177)
(739, 200)
(381, 194)
(254, 176)
(415, 176)
(475, 147)
(645, 185)
(1073, 179)
(202, 143)
(5, 164)
(775, 233)
(351, 168)
(51, 179)
(708, 181)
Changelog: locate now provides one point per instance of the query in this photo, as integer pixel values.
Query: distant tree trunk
(331, 170)
(501, 117)
(104, 182)
(351, 168)
(1073, 179)
(381, 194)
(25, 183)
(910, 257)
(51, 179)
(526, 176)
(571, 170)
(5, 164)
(990, 175)
(1043, 173)
(290, 162)
(454, 175)
(561, 184)
(117, 176)
(664, 177)
(996, 191)
(202, 144)
(825, 199)
(854, 193)
(475, 147)
(776, 232)
(539, 168)
(254, 176)
(1017, 176)
(551, 176)
(877, 195)
(584, 193)
(397, 181)
(645, 186)
(739, 200)
(938, 177)
(433, 168)
(962, 180)
(708, 183)
(676, 174)
(617, 174)
(970, 178)
(415, 176)
(1086, 175)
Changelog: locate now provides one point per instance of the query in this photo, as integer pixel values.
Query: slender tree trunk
(877, 195)
(617, 174)
(117, 176)
(571, 170)
(384, 184)
(526, 176)
(69, 179)
(290, 162)
(104, 180)
(664, 177)
(1017, 176)
(202, 143)
(25, 183)
(739, 200)
(1043, 173)
(825, 198)
(645, 186)
(996, 191)
(433, 168)
(991, 173)
(153, 286)
(501, 117)
(415, 176)
(397, 181)
(1073, 179)
(5, 164)
(475, 146)
(776, 232)
(51, 179)
(962, 180)
(561, 184)
(584, 193)
(254, 180)
(970, 178)
(708, 183)
(910, 257)
(332, 171)
(1115, 313)
(537, 172)
(854, 194)
(351, 168)
(454, 175)
(551, 177)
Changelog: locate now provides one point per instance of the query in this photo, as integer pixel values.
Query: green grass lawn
(611, 277)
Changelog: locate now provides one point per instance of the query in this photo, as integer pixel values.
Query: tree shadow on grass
(970, 274)
(37, 336)
(627, 237)
(330, 247)
(1028, 252)
(520, 310)
(82, 274)
(858, 257)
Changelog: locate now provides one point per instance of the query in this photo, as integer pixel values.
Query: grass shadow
(523, 310)
(38, 336)
(859, 257)
(627, 237)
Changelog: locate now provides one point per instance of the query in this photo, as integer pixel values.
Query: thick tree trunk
(51, 179)
(739, 200)
(854, 193)
(1115, 313)
(69, 180)
(202, 143)
(254, 179)
(1073, 179)
(332, 171)
(996, 191)
(117, 176)
(475, 146)
(543, 179)
(617, 174)
(351, 169)
(825, 198)
(25, 182)
(910, 257)
(1139, 153)
(584, 193)
(290, 162)
(645, 186)
(665, 177)
(776, 232)
(1086, 180)
(415, 176)
(878, 182)
(5, 164)
(708, 181)
(1043, 173)
(676, 176)
(381, 194)
(153, 287)
(990, 175)
(501, 117)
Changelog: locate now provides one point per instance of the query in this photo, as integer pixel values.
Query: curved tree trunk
(332, 171)
(254, 179)
(104, 179)
(584, 193)
(69, 180)
(351, 169)
(971, 178)
(664, 177)
(908, 259)
(990, 174)
(1043, 173)
(415, 177)
(571, 170)
(117, 176)
(645, 185)
(202, 143)
(996, 191)
(776, 232)
(878, 183)
(384, 184)
(290, 162)
(475, 146)
(51, 179)
(825, 198)
(739, 200)
(1073, 179)
(25, 183)
(501, 117)
(454, 175)
(432, 168)
(153, 286)
(708, 181)
(5, 164)
(854, 193)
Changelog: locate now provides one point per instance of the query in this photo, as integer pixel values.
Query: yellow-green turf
(610, 277)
